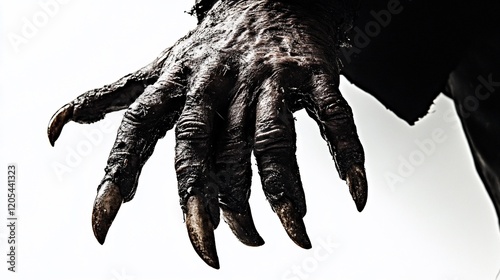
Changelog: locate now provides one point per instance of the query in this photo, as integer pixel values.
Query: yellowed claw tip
(201, 231)
(106, 206)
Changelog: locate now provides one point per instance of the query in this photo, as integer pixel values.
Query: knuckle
(189, 129)
(149, 106)
(234, 142)
(136, 113)
(334, 109)
(273, 138)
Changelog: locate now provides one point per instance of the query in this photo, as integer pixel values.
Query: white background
(436, 223)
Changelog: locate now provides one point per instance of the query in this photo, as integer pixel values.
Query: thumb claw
(201, 231)
(106, 206)
(358, 187)
(57, 122)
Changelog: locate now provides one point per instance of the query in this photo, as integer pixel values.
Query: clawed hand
(229, 88)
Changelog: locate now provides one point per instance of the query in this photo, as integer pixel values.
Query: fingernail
(57, 122)
(201, 231)
(106, 206)
(292, 222)
(358, 186)
(243, 227)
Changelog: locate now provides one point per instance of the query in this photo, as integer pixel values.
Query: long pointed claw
(293, 223)
(57, 122)
(106, 206)
(243, 227)
(356, 180)
(201, 231)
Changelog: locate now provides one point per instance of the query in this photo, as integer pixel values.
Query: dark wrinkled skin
(230, 87)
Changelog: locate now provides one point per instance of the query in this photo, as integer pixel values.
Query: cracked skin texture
(240, 51)
(230, 88)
